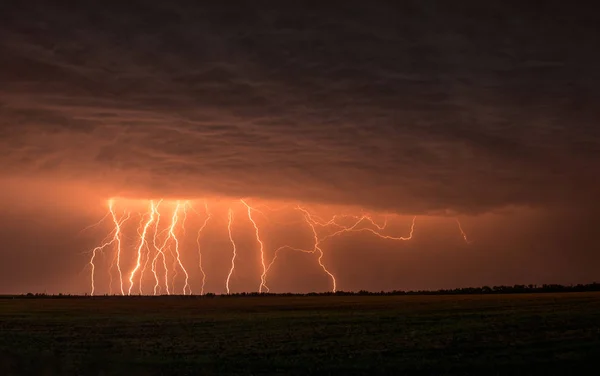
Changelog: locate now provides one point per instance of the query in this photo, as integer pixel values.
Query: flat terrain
(344, 335)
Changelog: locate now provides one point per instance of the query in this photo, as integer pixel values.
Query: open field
(344, 335)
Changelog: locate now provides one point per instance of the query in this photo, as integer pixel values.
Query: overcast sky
(482, 110)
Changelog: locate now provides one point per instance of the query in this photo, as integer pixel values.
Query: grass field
(520, 334)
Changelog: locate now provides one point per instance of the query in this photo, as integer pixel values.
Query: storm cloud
(415, 107)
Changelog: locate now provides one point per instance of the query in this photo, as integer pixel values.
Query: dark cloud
(416, 107)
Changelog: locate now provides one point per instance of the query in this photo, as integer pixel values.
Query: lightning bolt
(318, 249)
(388, 237)
(185, 207)
(117, 231)
(140, 229)
(208, 216)
(116, 239)
(372, 221)
(141, 247)
(462, 233)
(94, 252)
(262, 249)
(93, 266)
(354, 228)
(229, 223)
(174, 221)
(155, 245)
(156, 214)
(311, 221)
(160, 251)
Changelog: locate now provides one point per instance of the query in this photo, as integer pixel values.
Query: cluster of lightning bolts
(155, 246)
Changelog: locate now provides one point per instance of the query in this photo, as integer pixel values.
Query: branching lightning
(159, 254)
(316, 248)
(161, 248)
(117, 260)
(140, 248)
(262, 249)
(186, 286)
(116, 239)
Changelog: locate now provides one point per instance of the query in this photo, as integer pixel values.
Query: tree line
(515, 289)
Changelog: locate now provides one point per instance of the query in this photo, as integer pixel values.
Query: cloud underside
(412, 107)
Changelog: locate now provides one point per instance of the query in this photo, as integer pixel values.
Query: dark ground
(343, 335)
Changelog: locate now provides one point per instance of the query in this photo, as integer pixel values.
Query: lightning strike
(208, 216)
(174, 220)
(262, 249)
(462, 233)
(229, 223)
(158, 253)
(91, 262)
(156, 214)
(141, 247)
(388, 237)
(185, 209)
(118, 240)
(160, 249)
(318, 249)
(118, 228)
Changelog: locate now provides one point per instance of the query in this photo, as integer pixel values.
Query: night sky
(486, 111)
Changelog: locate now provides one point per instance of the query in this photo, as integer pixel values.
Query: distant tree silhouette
(515, 289)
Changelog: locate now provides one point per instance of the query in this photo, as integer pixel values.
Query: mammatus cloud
(419, 107)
